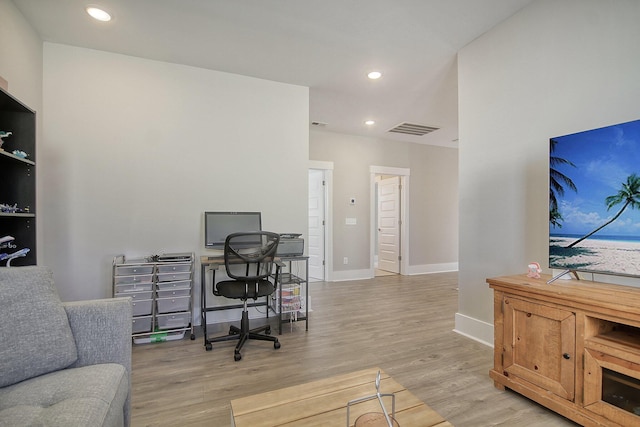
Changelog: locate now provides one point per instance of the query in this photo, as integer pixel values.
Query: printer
(291, 244)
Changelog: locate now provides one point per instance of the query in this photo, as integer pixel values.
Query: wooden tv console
(572, 346)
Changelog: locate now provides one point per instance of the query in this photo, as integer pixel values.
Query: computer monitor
(218, 225)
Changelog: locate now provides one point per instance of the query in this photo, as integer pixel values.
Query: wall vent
(413, 129)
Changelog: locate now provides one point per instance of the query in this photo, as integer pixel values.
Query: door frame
(327, 168)
(404, 174)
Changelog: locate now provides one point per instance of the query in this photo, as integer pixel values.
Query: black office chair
(249, 261)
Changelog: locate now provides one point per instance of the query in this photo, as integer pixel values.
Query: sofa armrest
(102, 331)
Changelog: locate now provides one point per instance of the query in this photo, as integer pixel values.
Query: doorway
(389, 220)
(319, 238)
(388, 252)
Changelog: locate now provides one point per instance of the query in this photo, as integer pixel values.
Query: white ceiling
(327, 45)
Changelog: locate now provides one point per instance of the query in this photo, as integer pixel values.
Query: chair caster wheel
(208, 347)
(237, 356)
(276, 345)
(193, 337)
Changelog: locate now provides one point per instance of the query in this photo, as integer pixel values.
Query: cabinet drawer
(132, 270)
(168, 305)
(141, 324)
(171, 277)
(175, 320)
(181, 284)
(139, 278)
(142, 307)
(133, 287)
(136, 295)
(170, 293)
(174, 268)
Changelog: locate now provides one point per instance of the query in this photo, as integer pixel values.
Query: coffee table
(324, 403)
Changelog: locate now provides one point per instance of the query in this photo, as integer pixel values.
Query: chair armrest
(102, 331)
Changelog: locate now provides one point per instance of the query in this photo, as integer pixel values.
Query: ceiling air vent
(413, 129)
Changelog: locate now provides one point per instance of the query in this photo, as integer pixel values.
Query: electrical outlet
(345, 260)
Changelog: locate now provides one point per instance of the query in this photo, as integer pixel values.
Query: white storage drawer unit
(134, 270)
(142, 307)
(170, 305)
(174, 320)
(181, 284)
(171, 293)
(141, 324)
(174, 276)
(135, 295)
(174, 268)
(161, 288)
(133, 287)
(138, 278)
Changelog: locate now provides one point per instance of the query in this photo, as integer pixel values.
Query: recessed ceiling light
(99, 14)
(374, 75)
(370, 122)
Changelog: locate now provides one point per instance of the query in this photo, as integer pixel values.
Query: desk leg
(306, 295)
(203, 301)
(280, 308)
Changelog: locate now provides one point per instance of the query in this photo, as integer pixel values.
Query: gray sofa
(61, 364)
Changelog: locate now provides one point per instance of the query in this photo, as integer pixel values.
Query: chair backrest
(249, 256)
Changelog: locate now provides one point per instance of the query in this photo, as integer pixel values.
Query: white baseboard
(475, 329)
(341, 276)
(432, 268)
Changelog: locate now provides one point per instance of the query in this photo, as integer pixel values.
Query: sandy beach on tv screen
(596, 255)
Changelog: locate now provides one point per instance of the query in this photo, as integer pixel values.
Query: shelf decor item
(4, 134)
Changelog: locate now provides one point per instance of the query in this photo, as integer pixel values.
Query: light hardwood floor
(403, 324)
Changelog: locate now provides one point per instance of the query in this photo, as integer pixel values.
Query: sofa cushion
(89, 396)
(35, 333)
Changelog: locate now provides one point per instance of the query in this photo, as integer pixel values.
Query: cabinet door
(540, 345)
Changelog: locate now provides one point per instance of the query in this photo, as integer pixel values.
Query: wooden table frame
(324, 403)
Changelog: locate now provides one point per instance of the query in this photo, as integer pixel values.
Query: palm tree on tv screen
(629, 194)
(557, 181)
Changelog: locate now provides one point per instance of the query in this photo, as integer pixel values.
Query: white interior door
(389, 224)
(316, 224)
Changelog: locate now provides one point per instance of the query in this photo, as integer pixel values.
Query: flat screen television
(218, 225)
(594, 200)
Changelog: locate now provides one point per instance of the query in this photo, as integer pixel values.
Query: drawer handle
(566, 356)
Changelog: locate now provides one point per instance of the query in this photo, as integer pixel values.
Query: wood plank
(284, 406)
(321, 388)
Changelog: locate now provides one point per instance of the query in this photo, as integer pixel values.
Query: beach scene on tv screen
(594, 200)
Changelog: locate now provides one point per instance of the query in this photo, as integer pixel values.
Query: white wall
(134, 151)
(20, 56)
(557, 67)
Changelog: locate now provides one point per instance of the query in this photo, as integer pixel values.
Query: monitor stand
(562, 273)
